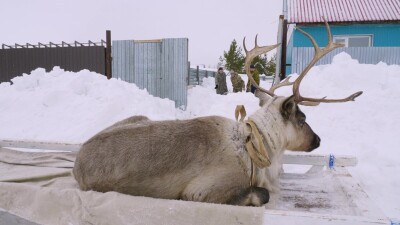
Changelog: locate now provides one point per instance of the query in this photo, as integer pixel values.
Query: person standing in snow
(237, 82)
(256, 76)
(220, 82)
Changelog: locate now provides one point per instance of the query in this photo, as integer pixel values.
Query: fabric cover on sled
(38, 187)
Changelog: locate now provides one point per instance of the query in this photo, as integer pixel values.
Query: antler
(250, 55)
(319, 53)
(283, 83)
(286, 82)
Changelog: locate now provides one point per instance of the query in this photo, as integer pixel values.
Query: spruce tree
(265, 66)
(234, 58)
(271, 66)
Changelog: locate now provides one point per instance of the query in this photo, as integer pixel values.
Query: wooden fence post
(197, 75)
(283, 54)
(108, 54)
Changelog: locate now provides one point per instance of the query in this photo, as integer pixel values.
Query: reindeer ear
(288, 107)
(262, 96)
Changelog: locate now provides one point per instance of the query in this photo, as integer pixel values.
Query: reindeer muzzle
(315, 144)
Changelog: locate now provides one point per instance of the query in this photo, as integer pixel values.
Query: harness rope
(254, 144)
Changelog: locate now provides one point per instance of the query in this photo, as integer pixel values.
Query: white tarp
(38, 186)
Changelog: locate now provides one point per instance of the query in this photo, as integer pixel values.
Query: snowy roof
(311, 11)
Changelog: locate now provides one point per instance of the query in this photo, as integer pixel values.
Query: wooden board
(39, 145)
(323, 196)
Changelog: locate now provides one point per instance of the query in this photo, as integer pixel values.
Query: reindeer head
(281, 120)
(281, 117)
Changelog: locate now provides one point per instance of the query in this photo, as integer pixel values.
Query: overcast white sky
(210, 25)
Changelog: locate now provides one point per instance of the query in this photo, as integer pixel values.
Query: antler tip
(255, 41)
(355, 95)
(244, 44)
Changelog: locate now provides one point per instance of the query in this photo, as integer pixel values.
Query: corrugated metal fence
(160, 66)
(366, 55)
(19, 59)
(196, 75)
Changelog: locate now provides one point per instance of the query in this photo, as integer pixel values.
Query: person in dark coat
(256, 76)
(220, 82)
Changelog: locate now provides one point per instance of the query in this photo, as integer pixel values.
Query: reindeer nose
(316, 142)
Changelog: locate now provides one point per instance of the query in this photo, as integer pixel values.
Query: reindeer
(207, 159)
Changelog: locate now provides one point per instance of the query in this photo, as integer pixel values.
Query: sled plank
(354, 191)
(11, 219)
(330, 196)
(274, 217)
(318, 160)
(39, 145)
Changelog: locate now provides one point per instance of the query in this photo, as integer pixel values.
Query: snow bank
(71, 107)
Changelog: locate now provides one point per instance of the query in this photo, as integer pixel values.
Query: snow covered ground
(71, 107)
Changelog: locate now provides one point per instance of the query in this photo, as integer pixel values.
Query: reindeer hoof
(252, 196)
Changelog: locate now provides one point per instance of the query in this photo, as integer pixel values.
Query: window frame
(347, 37)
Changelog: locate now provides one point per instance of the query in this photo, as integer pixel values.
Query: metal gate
(160, 66)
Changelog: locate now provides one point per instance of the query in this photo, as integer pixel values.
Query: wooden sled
(324, 193)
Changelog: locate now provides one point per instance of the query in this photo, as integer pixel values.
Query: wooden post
(197, 75)
(283, 53)
(278, 52)
(108, 54)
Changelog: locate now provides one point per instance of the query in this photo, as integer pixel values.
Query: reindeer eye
(302, 122)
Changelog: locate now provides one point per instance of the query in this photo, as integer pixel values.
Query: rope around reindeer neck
(254, 144)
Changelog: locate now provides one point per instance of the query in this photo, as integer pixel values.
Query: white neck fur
(269, 123)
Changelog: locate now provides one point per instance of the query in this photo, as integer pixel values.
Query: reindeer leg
(252, 196)
(225, 187)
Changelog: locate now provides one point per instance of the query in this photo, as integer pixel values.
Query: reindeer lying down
(208, 159)
(202, 159)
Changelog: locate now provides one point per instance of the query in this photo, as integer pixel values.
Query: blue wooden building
(370, 30)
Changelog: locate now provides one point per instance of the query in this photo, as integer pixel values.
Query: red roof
(311, 11)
